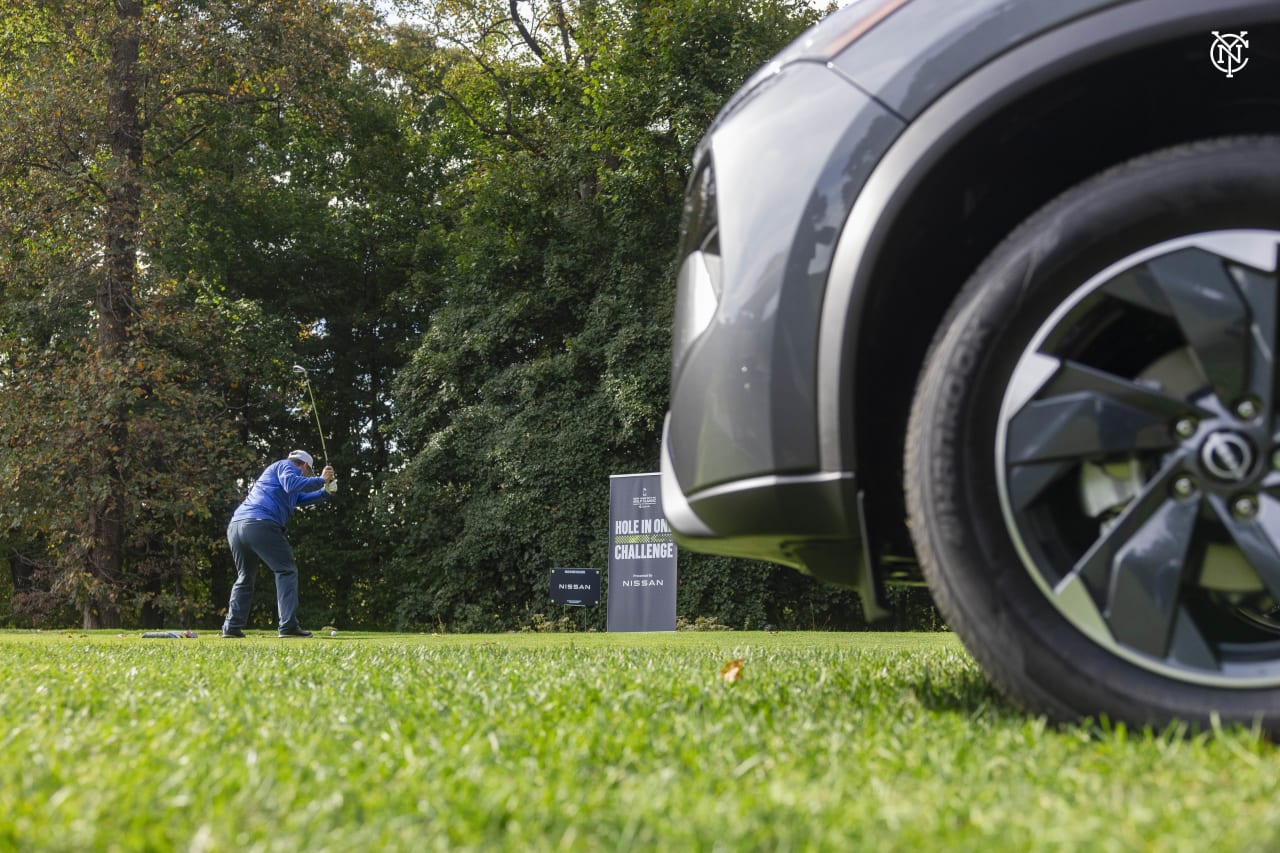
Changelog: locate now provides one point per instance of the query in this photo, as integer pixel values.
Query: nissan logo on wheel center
(1227, 456)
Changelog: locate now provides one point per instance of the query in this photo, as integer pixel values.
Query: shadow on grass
(967, 692)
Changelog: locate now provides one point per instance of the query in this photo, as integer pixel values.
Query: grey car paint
(759, 454)
(1082, 40)
(736, 411)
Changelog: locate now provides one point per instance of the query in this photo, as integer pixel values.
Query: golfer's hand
(328, 474)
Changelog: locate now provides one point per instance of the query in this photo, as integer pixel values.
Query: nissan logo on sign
(575, 587)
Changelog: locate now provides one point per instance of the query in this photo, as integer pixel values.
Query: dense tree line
(462, 221)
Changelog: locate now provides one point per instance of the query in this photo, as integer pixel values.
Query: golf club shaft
(316, 413)
(332, 485)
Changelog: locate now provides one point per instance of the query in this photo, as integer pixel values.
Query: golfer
(257, 530)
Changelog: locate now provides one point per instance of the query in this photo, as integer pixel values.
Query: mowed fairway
(592, 742)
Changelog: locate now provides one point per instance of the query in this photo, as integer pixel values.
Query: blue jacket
(278, 491)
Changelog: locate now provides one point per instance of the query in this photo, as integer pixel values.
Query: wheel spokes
(1147, 577)
(1229, 321)
(1134, 571)
(1083, 414)
(1257, 535)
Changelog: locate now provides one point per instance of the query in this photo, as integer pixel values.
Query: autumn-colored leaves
(731, 672)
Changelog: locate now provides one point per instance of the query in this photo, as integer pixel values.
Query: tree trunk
(115, 305)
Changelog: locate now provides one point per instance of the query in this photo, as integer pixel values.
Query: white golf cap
(303, 457)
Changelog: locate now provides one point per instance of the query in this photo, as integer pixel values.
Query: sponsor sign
(642, 556)
(575, 587)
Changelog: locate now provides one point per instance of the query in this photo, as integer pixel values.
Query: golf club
(332, 486)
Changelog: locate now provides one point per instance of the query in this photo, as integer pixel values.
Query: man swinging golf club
(257, 530)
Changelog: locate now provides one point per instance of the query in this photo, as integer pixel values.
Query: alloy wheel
(1138, 458)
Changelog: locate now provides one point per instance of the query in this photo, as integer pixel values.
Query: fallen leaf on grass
(732, 671)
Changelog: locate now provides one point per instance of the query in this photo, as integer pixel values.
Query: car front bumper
(812, 522)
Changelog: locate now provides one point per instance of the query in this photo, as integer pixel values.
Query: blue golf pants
(264, 540)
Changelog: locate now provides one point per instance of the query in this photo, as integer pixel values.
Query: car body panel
(1081, 41)
(814, 160)
(949, 41)
(760, 340)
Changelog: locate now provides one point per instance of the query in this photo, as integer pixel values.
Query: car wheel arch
(856, 416)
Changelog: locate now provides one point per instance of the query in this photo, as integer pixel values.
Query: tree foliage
(118, 444)
(545, 368)
(463, 225)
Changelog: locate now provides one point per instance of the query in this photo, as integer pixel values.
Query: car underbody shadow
(966, 692)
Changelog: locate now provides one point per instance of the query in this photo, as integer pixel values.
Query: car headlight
(699, 281)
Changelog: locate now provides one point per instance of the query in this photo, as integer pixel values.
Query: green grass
(589, 742)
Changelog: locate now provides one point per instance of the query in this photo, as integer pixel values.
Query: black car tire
(1182, 574)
